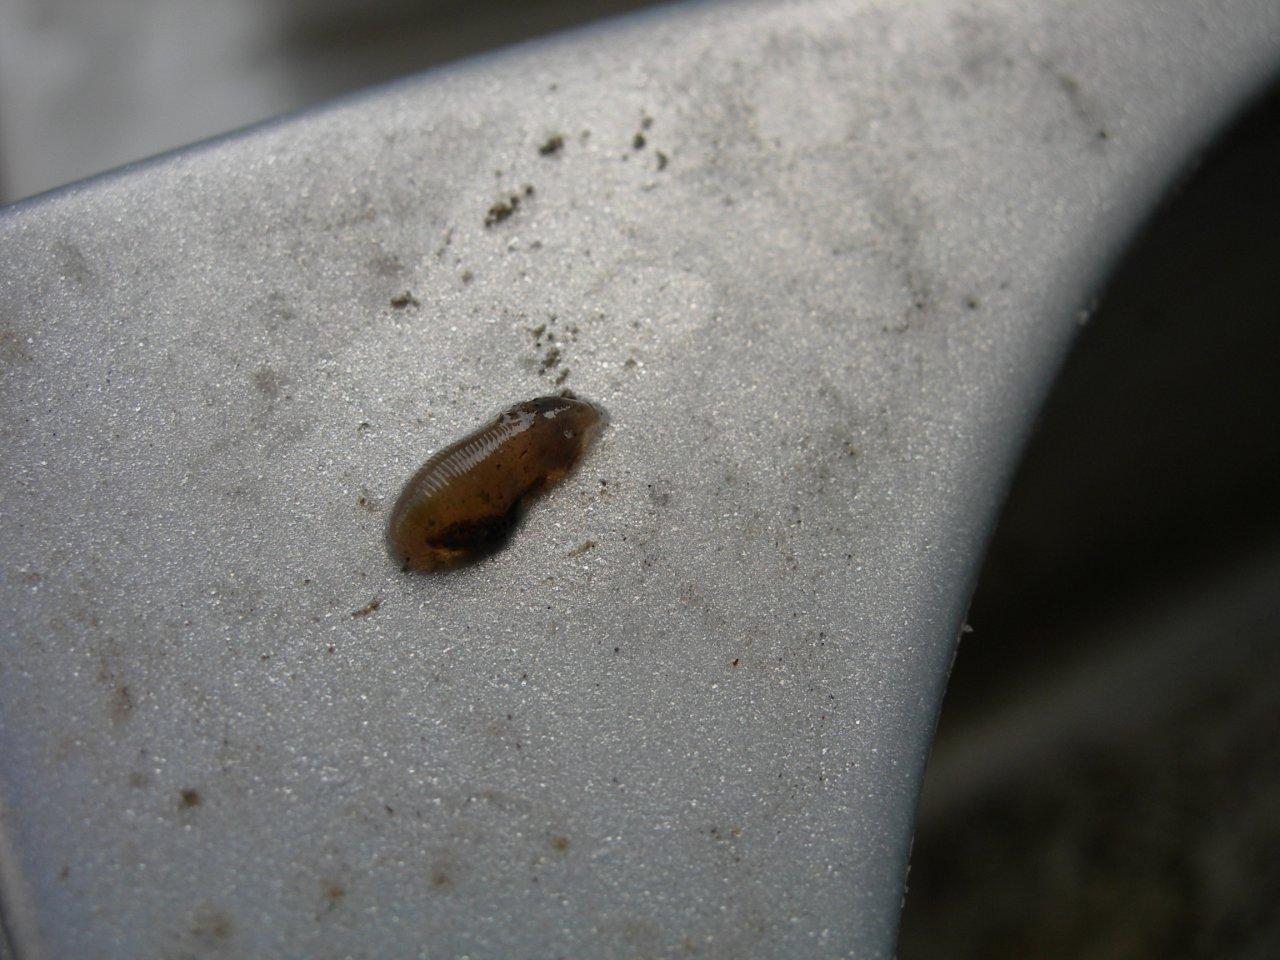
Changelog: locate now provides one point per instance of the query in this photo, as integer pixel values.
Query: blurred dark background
(1106, 779)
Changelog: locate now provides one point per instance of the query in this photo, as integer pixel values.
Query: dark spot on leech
(188, 798)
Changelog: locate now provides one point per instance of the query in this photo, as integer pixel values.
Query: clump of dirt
(552, 346)
(503, 209)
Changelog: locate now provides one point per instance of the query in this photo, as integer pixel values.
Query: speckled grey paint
(820, 332)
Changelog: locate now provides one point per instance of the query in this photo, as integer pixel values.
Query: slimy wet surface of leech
(463, 502)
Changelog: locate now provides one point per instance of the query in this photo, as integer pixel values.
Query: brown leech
(462, 503)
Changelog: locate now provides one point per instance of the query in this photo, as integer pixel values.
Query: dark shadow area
(1106, 777)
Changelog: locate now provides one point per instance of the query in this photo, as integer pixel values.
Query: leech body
(463, 501)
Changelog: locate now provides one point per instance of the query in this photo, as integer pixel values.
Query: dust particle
(121, 704)
(552, 145)
(404, 299)
(267, 382)
(502, 210)
(211, 926)
(582, 548)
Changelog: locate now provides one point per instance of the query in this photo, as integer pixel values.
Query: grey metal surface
(820, 333)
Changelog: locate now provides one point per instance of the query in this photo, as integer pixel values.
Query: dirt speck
(661, 159)
(502, 210)
(139, 780)
(467, 276)
(552, 145)
(366, 502)
(550, 359)
(736, 662)
(211, 927)
(582, 548)
(121, 705)
(559, 843)
(332, 894)
(440, 876)
(638, 142)
(562, 376)
(404, 299)
(188, 798)
(267, 382)
(64, 872)
(367, 609)
(972, 303)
